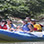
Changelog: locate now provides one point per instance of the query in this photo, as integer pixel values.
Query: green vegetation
(22, 8)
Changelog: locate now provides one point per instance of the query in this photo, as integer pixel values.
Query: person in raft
(3, 25)
(27, 27)
(10, 26)
(37, 27)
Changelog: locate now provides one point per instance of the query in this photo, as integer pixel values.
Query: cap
(33, 20)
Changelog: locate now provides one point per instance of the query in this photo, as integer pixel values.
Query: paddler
(27, 27)
(37, 27)
(3, 25)
(10, 25)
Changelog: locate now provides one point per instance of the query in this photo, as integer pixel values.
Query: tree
(21, 8)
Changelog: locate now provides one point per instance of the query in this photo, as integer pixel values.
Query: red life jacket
(0, 26)
(4, 27)
(35, 29)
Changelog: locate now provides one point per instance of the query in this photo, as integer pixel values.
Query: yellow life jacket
(38, 27)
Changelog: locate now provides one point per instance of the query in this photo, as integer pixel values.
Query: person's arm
(7, 27)
(30, 27)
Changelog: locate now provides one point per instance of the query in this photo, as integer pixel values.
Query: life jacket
(31, 25)
(12, 26)
(35, 29)
(25, 27)
(38, 27)
(0, 26)
(4, 27)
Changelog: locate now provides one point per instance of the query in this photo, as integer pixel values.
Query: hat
(33, 20)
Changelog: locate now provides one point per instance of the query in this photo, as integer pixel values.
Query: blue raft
(18, 36)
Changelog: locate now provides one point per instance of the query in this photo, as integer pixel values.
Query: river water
(24, 43)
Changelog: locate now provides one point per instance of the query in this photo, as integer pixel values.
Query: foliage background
(22, 8)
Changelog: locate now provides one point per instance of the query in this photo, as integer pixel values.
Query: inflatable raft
(20, 36)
